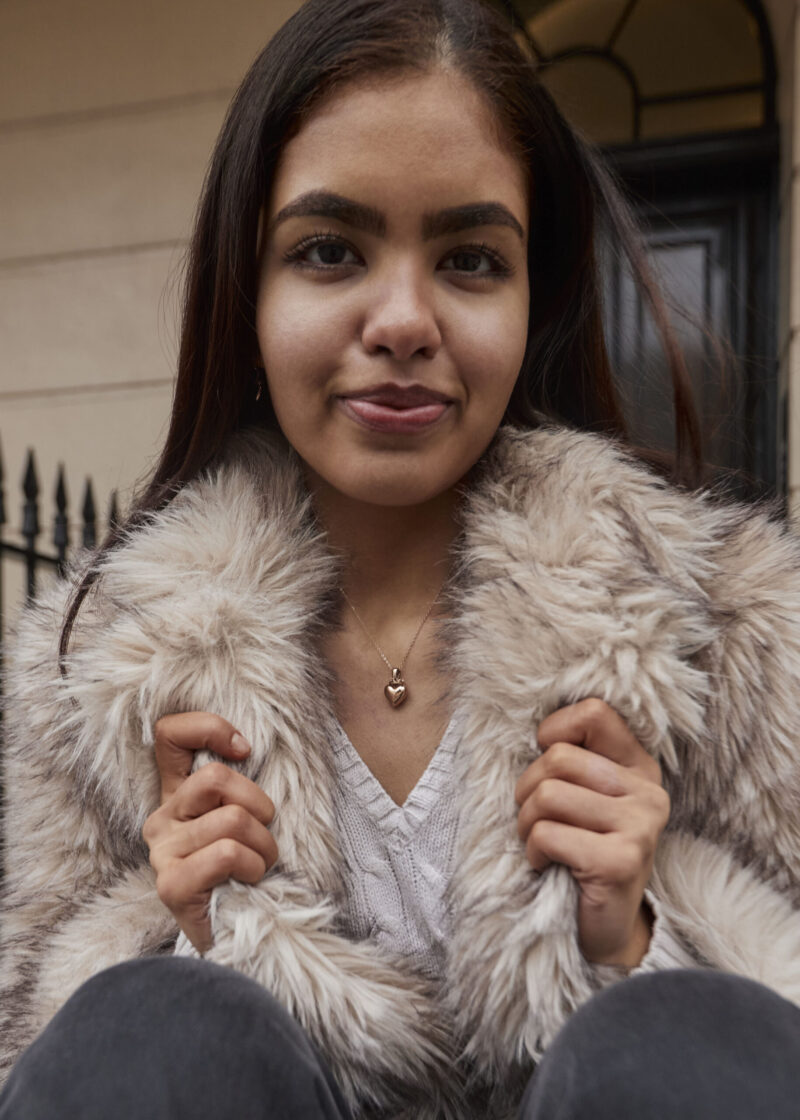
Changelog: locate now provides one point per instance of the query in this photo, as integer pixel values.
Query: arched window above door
(631, 71)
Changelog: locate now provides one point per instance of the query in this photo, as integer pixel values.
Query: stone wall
(108, 113)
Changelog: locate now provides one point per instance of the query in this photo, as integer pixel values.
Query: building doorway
(680, 95)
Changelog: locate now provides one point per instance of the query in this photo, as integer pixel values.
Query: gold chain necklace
(396, 691)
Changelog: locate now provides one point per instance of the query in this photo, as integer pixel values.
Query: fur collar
(579, 574)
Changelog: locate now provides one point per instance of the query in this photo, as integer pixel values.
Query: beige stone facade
(108, 112)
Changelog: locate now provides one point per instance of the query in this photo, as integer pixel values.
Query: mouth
(396, 408)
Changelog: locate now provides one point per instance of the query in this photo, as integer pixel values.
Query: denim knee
(151, 987)
(171, 1037)
(682, 1043)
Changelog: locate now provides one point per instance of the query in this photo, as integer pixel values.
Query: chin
(395, 493)
(398, 485)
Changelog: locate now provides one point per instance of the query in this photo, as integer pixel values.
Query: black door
(709, 214)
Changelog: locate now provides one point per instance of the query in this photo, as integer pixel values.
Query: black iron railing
(62, 538)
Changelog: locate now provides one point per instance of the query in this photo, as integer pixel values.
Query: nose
(401, 320)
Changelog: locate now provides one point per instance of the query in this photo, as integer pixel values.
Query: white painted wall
(108, 113)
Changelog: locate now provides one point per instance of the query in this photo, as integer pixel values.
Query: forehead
(406, 142)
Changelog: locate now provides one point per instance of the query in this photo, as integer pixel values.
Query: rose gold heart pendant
(396, 691)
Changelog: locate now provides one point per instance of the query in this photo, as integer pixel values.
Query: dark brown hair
(565, 373)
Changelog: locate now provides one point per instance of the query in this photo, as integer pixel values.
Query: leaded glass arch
(631, 71)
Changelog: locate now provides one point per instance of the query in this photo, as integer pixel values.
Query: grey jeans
(178, 1039)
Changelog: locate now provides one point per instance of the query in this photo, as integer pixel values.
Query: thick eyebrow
(326, 204)
(459, 218)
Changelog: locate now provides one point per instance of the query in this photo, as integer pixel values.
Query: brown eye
(477, 260)
(468, 261)
(329, 253)
(322, 252)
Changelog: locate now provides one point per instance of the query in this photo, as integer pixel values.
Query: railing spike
(61, 490)
(60, 526)
(30, 521)
(30, 509)
(30, 483)
(89, 517)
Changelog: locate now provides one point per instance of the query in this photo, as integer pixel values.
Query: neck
(395, 559)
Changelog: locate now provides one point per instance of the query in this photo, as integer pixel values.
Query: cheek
(492, 348)
(286, 329)
(297, 337)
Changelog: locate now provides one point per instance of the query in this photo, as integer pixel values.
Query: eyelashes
(318, 240)
(500, 267)
(330, 240)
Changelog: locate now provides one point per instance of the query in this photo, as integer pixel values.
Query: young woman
(424, 709)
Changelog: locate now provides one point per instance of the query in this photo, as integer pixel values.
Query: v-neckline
(388, 815)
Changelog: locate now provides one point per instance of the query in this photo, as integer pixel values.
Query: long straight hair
(327, 44)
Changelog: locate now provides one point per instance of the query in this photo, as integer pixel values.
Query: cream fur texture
(579, 575)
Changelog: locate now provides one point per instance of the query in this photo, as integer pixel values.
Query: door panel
(693, 263)
(709, 236)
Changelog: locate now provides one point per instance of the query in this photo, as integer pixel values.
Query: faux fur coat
(579, 574)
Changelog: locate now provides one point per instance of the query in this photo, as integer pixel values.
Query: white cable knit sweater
(399, 859)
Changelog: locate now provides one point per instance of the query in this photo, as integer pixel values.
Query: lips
(396, 408)
(398, 396)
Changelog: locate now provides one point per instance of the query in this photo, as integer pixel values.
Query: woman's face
(393, 297)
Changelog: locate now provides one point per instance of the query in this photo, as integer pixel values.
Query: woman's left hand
(594, 801)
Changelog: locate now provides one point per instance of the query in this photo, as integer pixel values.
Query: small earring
(260, 378)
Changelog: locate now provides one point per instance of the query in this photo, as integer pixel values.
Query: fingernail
(239, 744)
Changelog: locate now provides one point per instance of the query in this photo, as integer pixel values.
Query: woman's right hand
(210, 826)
